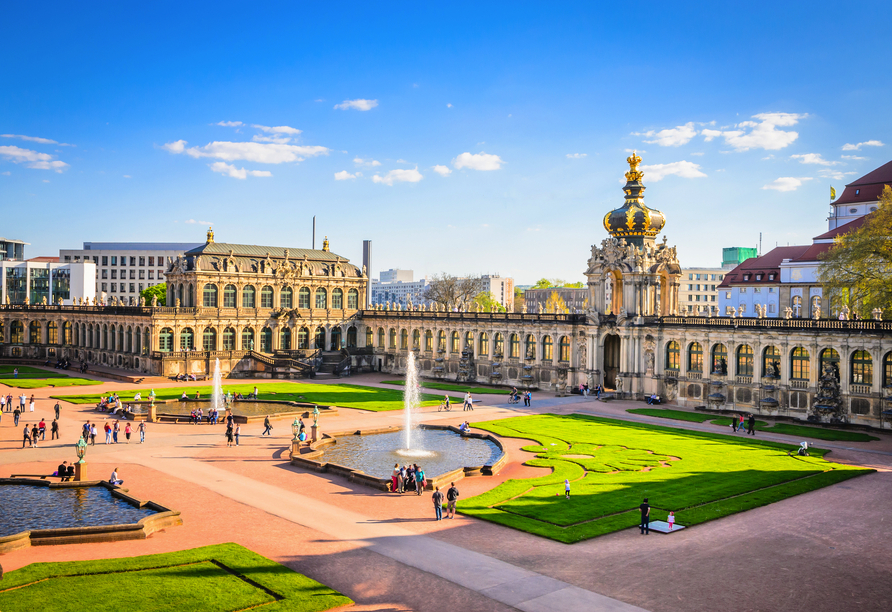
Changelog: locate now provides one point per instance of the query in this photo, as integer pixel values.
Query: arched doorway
(611, 360)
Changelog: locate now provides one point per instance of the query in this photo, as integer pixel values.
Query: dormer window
(746, 277)
(771, 277)
(758, 277)
(857, 191)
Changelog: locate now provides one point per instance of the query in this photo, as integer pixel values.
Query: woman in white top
(31, 405)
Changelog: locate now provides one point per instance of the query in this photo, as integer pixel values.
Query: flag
(832, 193)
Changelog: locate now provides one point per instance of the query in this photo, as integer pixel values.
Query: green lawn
(35, 378)
(213, 578)
(817, 433)
(344, 395)
(456, 388)
(613, 465)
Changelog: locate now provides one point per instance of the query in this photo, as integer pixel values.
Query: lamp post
(295, 442)
(80, 468)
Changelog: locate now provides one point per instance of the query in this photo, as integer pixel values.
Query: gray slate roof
(253, 250)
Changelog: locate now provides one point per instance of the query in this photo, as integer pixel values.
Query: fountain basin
(37, 512)
(367, 456)
(245, 411)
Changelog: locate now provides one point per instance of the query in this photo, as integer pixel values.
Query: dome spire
(634, 221)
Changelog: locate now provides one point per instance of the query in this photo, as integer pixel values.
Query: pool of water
(239, 408)
(437, 451)
(28, 507)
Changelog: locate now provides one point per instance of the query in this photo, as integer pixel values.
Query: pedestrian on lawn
(567, 489)
(645, 517)
(751, 423)
(451, 499)
(734, 423)
(740, 426)
(671, 520)
(15, 373)
(438, 504)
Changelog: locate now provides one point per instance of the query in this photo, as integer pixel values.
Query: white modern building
(44, 280)
(501, 288)
(698, 289)
(124, 269)
(398, 286)
(12, 250)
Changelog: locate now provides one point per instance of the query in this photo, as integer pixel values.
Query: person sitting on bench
(114, 478)
(69, 473)
(62, 472)
(653, 399)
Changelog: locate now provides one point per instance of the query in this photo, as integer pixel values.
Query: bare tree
(451, 291)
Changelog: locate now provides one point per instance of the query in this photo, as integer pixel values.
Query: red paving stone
(824, 550)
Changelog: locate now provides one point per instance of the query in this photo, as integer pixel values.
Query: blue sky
(491, 137)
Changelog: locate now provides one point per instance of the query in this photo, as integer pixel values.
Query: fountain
(411, 400)
(217, 402)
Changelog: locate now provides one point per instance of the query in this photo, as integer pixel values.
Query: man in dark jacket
(751, 425)
(645, 517)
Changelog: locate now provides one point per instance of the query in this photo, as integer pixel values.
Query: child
(567, 488)
(671, 520)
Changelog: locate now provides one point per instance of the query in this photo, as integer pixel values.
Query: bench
(41, 476)
(197, 378)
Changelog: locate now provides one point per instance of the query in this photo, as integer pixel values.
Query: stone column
(80, 472)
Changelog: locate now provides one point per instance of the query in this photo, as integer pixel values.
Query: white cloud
(230, 123)
(343, 175)
(194, 222)
(366, 162)
(36, 139)
(7, 173)
(398, 176)
(576, 155)
(127, 176)
(263, 153)
(33, 159)
(761, 134)
(670, 137)
(857, 147)
(448, 105)
(442, 170)
(853, 157)
(238, 173)
(786, 183)
(683, 169)
(46, 180)
(836, 175)
(814, 158)
(358, 104)
(477, 161)
(279, 129)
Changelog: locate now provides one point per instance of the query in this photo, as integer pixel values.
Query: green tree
(857, 271)
(557, 283)
(486, 302)
(576, 285)
(556, 304)
(543, 283)
(156, 290)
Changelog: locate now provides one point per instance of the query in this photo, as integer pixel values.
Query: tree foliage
(857, 271)
(556, 283)
(487, 302)
(155, 290)
(452, 291)
(556, 304)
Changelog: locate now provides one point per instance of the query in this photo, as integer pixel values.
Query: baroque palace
(279, 313)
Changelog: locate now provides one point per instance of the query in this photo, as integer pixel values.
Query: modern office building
(698, 289)
(44, 280)
(574, 299)
(734, 256)
(12, 250)
(399, 287)
(124, 269)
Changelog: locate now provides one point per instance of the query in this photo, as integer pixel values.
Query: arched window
(887, 370)
(120, 345)
(719, 359)
(351, 337)
(210, 296)
(228, 339)
(34, 333)
(352, 299)
(369, 336)
(564, 354)
(104, 339)
(862, 368)
(146, 341)
(454, 347)
(514, 346)
(128, 344)
(469, 341)
(381, 337)
(799, 364)
(416, 339)
(187, 339)
(321, 298)
(165, 340)
(392, 338)
(428, 341)
(498, 344)
(744, 360)
(248, 297)
(191, 295)
(180, 296)
(52, 333)
(483, 348)
(337, 299)
(229, 295)
(815, 304)
(771, 361)
(830, 357)
(266, 340)
(209, 339)
(248, 339)
(547, 349)
(797, 306)
(2, 333)
(285, 339)
(320, 337)
(531, 347)
(266, 297)
(303, 338)
(66, 333)
(286, 296)
(673, 355)
(695, 357)
(303, 298)
(335, 338)
(441, 341)
(404, 339)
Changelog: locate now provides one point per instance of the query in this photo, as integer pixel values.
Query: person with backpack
(451, 498)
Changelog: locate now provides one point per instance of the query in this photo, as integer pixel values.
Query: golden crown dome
(634, 221)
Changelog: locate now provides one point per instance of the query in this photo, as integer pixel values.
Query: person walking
(27, 436)
(419, 480)
(22, 400)
(229, 435)
(34, 434)
(734, 423)
(15, 417)
(92, 434)
(15, 373)
(58, 410)
(401, 479)
(127, 431)
(395, 477)
(451, 499)
(54, 430)
(267, 427)
(2, 403)
(238, 431)
(41, 427)
(645, 517)
(142, 432)
(751, 425)
(31, 404)
(107, 429)
(567, 489)
(115, 429)
(438, 504)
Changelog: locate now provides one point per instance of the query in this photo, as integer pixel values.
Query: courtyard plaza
(822, 550)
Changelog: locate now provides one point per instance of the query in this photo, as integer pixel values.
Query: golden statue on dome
(210, 238)
(634, 174)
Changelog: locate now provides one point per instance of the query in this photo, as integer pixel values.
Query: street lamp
(81, 449)
(295, 429)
